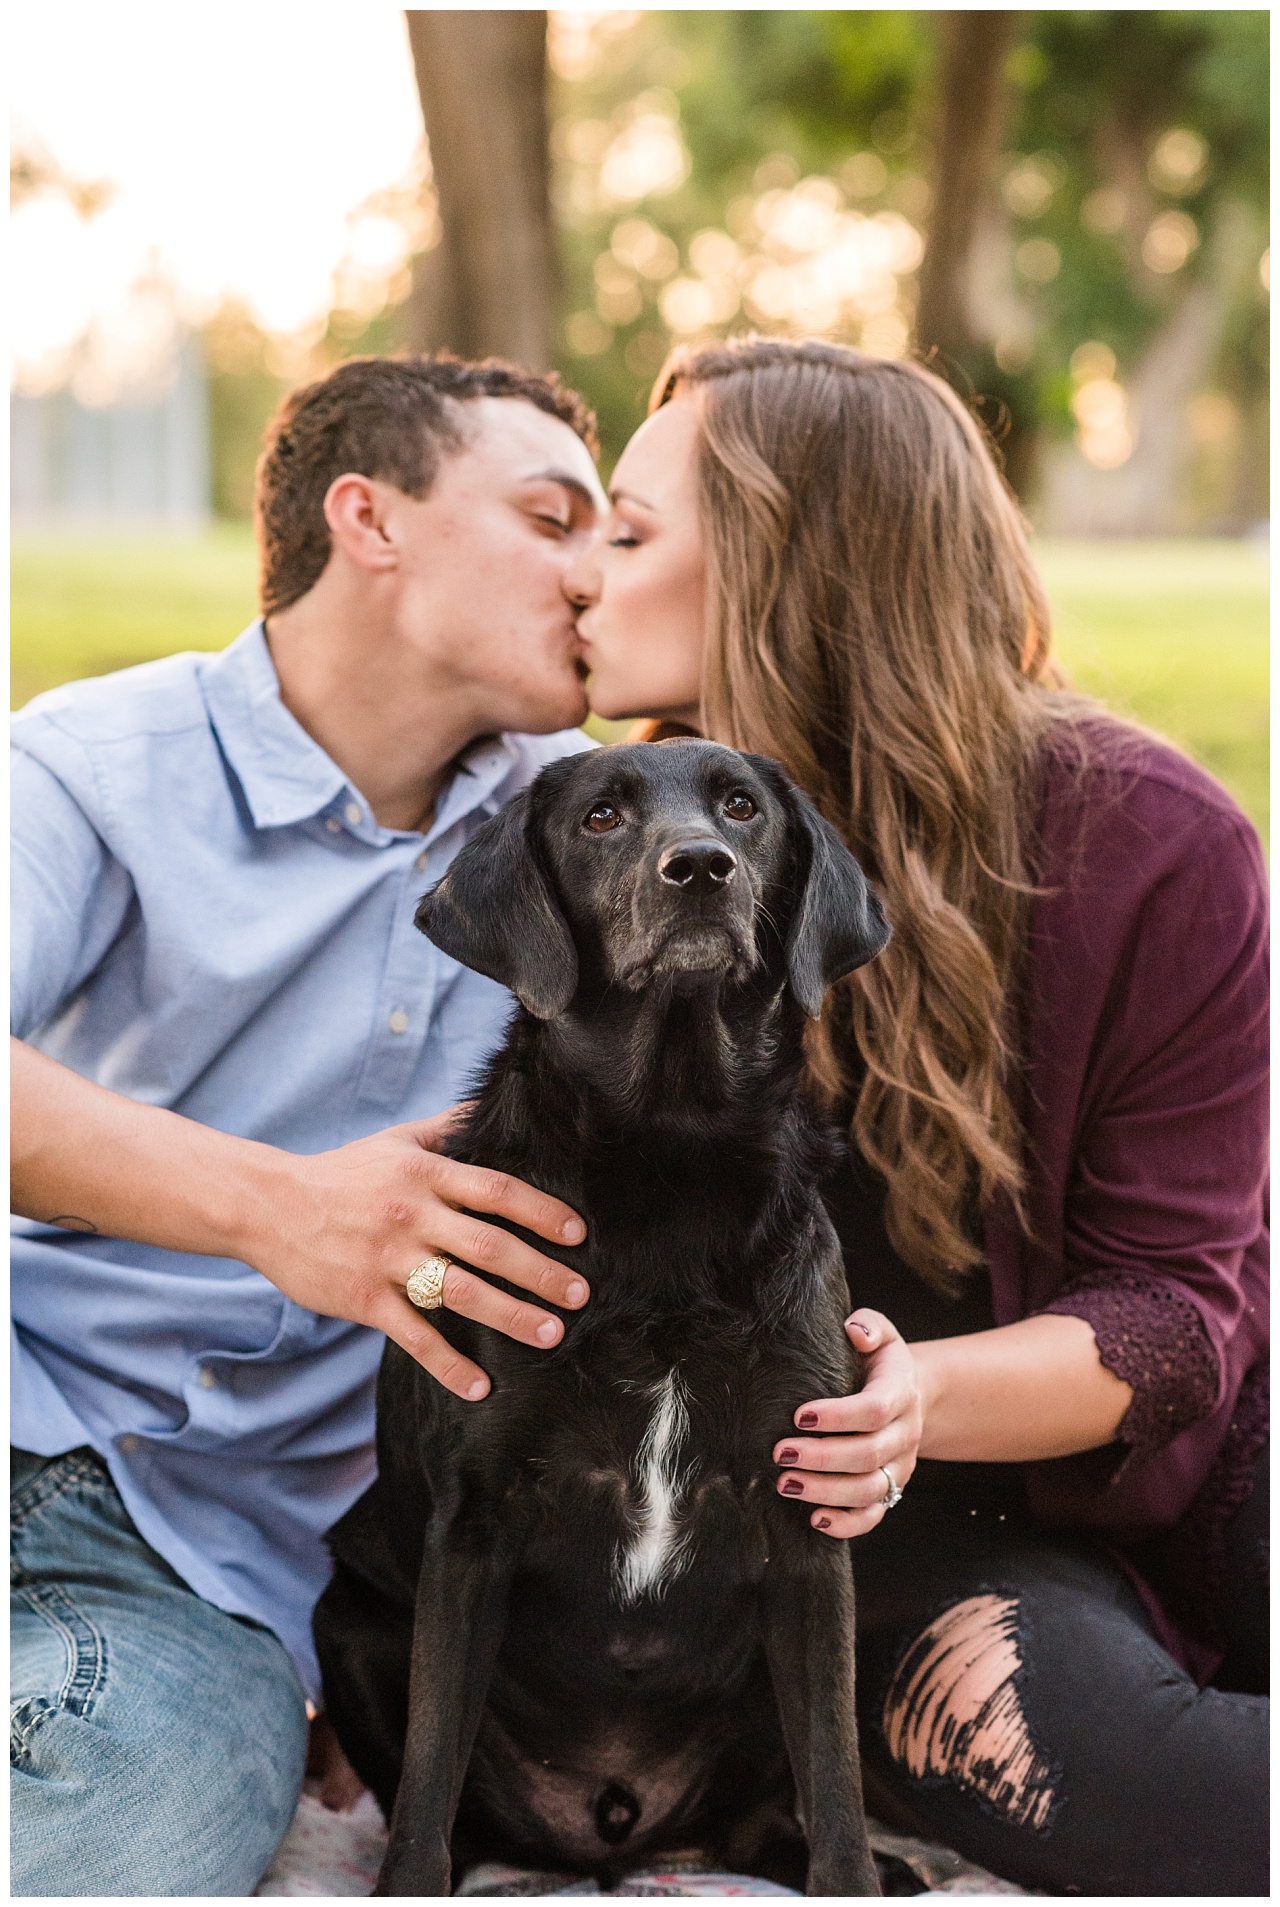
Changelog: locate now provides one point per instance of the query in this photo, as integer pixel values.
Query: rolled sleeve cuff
(1151, 1337)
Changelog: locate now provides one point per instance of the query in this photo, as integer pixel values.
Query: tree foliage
(1132, 167)
(714, 171)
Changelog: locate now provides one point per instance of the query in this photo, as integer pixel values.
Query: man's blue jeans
(157, 1743)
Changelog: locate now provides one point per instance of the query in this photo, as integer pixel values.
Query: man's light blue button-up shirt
(207, 917)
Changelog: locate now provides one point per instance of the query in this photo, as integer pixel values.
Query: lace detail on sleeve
(1152, 1338)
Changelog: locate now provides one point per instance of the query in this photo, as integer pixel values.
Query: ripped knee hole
(954, 1710)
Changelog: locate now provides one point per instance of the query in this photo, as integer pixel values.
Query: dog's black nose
(700, 862)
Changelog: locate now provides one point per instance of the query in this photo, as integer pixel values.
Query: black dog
(575, 1624)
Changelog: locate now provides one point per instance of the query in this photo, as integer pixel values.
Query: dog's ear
(495, 911)
(839, 923)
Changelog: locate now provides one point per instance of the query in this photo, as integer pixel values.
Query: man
(233, 1053)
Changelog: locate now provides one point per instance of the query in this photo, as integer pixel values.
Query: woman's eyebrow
(631, 497)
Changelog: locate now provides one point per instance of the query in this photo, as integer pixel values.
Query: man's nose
(700, 863)
(581, 580)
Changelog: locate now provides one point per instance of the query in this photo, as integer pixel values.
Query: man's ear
(355, 511)
(839, 923)
(495, 911)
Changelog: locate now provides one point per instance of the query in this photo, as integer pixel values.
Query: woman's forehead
(657, 464)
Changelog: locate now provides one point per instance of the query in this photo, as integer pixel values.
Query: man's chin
(550, 713)
(576, 710)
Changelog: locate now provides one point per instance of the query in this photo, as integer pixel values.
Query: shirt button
(354, 812)
(421, 862)
(399, 1021)
(333, 824)
(127, 1444)
(206, 1379)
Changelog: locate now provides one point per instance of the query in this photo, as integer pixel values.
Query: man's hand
(839, 1466)
(339, 1232)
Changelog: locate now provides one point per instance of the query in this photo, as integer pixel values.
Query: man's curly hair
(391, 418)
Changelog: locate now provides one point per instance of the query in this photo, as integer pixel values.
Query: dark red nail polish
(823, 1523)
(787, 1456)
(807, 1420)
(792, 1486)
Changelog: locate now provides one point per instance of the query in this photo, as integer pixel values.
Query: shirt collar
(287, 777)
(481, 771)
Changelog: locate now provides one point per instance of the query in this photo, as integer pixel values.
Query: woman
(1054, 1086)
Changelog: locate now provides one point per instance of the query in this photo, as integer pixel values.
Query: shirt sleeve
(69, 895)
(1153, 1339)
(1168, 1187)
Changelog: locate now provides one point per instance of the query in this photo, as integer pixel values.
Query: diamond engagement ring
(893, 1496)
(425, 1287)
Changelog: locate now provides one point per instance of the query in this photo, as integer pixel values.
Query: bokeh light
(237, 154)
(1170, 240)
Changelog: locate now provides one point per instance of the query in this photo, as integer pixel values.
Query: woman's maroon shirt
(1144, 1033)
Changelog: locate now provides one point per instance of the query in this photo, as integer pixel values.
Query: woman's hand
(837, 1466)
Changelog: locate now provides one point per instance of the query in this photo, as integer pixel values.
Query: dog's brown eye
(602, 818)
(739, 807)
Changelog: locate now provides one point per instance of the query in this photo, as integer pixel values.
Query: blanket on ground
(336, 1856)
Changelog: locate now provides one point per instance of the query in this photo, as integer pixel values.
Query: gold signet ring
(426, 1282)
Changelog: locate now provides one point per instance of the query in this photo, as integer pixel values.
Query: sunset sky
(237, 140)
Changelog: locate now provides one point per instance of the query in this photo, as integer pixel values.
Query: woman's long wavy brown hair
(875, 622)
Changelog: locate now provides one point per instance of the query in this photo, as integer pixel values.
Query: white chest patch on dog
(656, 1552)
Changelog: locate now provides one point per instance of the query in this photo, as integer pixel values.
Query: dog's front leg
(458, 1627)
(807, 1621)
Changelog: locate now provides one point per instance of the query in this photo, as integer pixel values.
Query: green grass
(85, 606)
(1172, 633)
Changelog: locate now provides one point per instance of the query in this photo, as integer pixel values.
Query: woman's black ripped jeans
(1014, 1702)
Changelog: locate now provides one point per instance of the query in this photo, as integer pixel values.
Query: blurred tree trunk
(489, 286)
(969, 124)
(1147, 495)
(970, 120)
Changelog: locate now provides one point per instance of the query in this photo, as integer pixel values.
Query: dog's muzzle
(699, 919)
(701, 864)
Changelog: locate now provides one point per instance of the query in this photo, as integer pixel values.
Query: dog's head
(684, 860)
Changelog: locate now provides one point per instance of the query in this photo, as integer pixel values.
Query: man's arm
(338, 1232)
